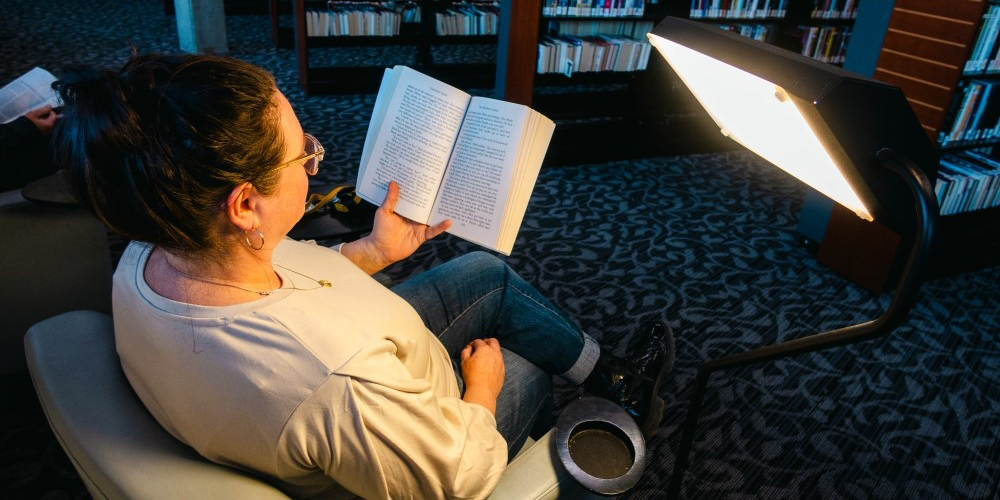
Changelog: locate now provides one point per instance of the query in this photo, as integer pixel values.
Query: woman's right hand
(393, 237)
(483, 372)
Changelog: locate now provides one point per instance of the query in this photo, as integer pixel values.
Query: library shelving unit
(618, 114)
(819, 29)
(365, 79)
(925, 51)
(603, 115)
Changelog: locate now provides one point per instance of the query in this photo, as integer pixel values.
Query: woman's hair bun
(154, 147)
(88, 82)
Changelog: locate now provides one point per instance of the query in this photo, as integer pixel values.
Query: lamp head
(818, 122)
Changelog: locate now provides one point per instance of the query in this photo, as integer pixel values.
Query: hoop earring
(246, 236)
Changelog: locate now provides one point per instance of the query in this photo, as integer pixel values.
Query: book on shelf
(825, 43)
(473, 160)
(360, 18)
(834, 9)
(737, 9)
(761, 32)
(593, 8)
(984, 51)
(626, 27)
(468, 19)
(977, 116)
(568, 54)
(29, 91)
(966, 182)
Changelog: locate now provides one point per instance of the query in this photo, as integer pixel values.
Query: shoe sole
(654, 416)
(651, 423)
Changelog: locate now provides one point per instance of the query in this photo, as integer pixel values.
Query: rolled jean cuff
(585, 363)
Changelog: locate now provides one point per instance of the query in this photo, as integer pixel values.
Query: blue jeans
(477, 296)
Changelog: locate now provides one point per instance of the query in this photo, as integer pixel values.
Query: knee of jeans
(485, 262)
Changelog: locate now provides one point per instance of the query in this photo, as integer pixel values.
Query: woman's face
(286, 206)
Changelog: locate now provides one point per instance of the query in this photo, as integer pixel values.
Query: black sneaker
(634, 382)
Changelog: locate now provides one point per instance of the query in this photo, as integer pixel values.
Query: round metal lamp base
(600, 446)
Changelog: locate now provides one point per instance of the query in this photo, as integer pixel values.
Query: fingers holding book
(395, 237)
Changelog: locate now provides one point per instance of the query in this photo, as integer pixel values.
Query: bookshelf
(422, 36)
(620, 114)
(930, 51)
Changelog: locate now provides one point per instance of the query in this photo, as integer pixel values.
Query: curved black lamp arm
(925, 206)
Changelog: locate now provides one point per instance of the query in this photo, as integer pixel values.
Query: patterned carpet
(704, 242)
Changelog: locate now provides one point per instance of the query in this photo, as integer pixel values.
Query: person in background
(24, 152)
(287, 358)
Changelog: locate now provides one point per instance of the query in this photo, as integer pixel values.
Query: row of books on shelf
(634, 29)
(737, 9)
(977, 117)
(967, 181)
(360, 19)
(569, 54)
(825, 43)
(984, 53)
(834, 9)
(593, 8)
(468, 19)
(761, 32)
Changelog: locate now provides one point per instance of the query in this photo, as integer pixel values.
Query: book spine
(957, 123)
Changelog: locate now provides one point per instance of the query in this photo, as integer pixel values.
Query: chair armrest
(537, 474)
(114, 443)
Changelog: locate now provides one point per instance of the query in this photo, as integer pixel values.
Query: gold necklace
(263, 293)
(321, 283)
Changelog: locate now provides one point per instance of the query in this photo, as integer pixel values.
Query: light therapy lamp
(851, 138)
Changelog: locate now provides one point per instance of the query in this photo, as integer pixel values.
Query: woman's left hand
(393, 236)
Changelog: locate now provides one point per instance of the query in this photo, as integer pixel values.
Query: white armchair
(121, 452)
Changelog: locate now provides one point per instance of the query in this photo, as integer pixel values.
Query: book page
(29, 91)
(475, 187)
(413, 142)
(537, 135)
(378, 116)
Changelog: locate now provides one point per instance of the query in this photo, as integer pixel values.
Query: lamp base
(600, 446)
(863, 252)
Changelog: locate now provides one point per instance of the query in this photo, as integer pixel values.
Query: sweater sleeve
(381, 433)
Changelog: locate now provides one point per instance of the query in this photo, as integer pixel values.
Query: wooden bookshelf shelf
(833, 19)
(644, 17)
(588, 78)
(287, 37)
(990, 75)
(962, 145)
(461, 39)
(724, 20)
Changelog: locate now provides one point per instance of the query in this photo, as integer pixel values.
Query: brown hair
(155, 148)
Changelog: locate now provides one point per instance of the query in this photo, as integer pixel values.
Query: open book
(473, 160)
(29, 91)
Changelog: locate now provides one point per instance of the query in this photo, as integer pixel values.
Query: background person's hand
(483, 372)
(43, 118)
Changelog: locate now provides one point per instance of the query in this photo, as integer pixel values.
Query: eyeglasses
(314, 155)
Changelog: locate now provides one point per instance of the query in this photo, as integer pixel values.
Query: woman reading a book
(286, 358)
